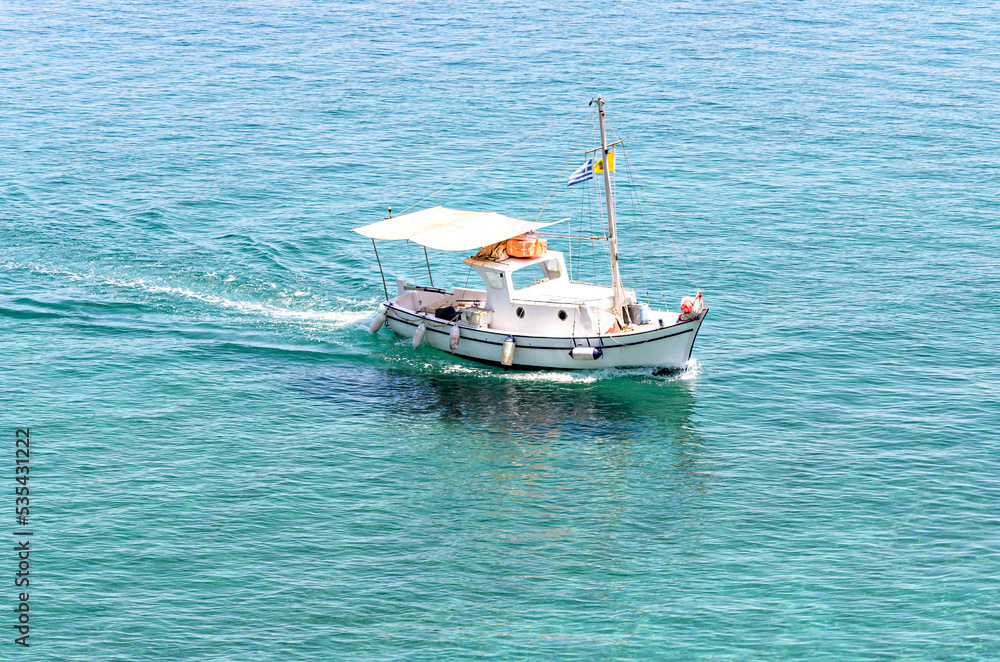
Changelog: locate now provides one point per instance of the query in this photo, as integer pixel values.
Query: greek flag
(583, 173)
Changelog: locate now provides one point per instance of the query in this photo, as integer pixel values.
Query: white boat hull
(667, 346)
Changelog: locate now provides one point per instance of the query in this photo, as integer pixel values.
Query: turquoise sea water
(227, 466)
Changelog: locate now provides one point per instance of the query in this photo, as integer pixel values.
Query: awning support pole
(427, 260)
(384, 288)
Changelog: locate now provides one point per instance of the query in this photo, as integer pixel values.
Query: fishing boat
(529, 314)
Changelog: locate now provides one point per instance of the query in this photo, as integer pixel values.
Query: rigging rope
(585, 199)
(590, 212)
(565, 163)
(528, 139)
(638, 240)
(604, 223)
(413, 271)
(642, 219)
(655, 211)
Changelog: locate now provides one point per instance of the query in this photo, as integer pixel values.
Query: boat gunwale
(427, 317)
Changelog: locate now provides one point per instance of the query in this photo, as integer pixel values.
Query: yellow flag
(599, 166)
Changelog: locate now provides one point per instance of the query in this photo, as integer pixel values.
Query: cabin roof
(509, 264)
(451, 229)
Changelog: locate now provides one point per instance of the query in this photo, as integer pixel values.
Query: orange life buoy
(526, 245)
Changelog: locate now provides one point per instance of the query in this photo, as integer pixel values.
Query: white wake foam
(335, 318)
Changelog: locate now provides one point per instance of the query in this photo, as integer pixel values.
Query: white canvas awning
(451, 229)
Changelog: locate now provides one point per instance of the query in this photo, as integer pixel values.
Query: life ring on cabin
(526, 245)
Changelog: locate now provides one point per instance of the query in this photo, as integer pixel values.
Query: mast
(616, 279)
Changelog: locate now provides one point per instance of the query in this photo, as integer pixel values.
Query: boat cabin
(534, 295)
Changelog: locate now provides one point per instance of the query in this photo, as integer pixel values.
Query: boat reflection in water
(502, 487)
(604, 415)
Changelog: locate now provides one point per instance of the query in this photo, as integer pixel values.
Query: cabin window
(520, 313)
(562, 315)
(494, 280)
(551, 268)
(528, 276)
